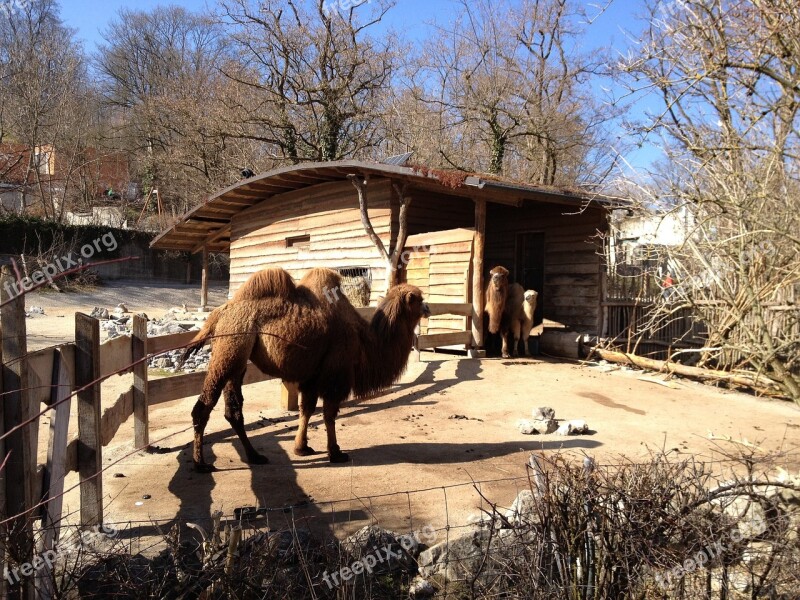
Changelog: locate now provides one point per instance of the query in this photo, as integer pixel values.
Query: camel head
(531, 296)
(498, 278)
(404, 302)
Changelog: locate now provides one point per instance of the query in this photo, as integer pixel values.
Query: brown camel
(503, 301)
(307, 333)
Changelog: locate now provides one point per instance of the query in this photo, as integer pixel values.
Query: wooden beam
(204, 281)
(161, 343)
(141, 419)
(20, 469)
(212, 238)
(90, 453)
(439, 340)
(477, 273)
(55, 468)
(289, 396)
(168, 389)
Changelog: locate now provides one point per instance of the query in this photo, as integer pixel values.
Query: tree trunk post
(204, 282)
(477, 279)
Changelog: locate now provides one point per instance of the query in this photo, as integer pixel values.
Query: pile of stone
(34, 311)
(118, 322)
(544, 422)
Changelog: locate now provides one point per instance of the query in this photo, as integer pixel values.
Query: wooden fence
(51, 377)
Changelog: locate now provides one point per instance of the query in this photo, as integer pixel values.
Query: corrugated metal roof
(208, 224)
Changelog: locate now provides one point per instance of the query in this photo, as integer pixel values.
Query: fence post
(20, 470)
(55, 469)
(90, 454)
(289, 396)
(141, 423)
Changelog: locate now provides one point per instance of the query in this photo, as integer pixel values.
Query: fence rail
(52, 376)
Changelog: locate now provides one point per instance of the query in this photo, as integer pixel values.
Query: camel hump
(265, 283)
(319, 279)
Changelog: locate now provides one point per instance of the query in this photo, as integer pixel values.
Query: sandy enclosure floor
(403, 441)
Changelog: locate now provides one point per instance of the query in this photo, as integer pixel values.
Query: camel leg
(504, 336)
(308, 404)
(330, 410)
(212, 388)
(515, 330)
(234, 402)
(526, 333)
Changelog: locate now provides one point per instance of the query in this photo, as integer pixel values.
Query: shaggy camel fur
(306, 333)
(522, 310)
(503, 301)
(496, 294)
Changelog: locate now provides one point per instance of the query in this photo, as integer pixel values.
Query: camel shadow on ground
(434, 453)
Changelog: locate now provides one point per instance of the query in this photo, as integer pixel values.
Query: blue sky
(412, 17)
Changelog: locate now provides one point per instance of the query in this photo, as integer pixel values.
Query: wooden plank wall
(437, 212)
(573, 261)
(329, 214)
(440, 268)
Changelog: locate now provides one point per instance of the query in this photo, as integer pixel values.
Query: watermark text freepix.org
(85, 539)
(426, 535)
(668, 578)
(105, 243)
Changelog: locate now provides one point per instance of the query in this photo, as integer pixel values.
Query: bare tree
(160, 74)
(43, 98)
(311, 79)
(509, 94)
(728, 75)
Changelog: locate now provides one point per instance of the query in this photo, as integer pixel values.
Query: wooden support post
(204, 282)
(55, 469)
(90, 452)
(20, 470)
(289, 396)
(141, 423)
(477, 278)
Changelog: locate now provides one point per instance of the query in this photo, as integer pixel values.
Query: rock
(522, 511)
(121, 308)
(374, 540)
(457, 559)
(99, 313)
(540, 426)
(544, 413)
(575, 427)
(162, 363)
(36, 310)
(481, 519)
(420, 588)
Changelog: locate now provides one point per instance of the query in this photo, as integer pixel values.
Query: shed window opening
(298, 241)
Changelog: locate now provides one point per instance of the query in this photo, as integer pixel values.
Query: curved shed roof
(208, 224)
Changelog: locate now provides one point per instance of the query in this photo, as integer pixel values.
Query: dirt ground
(413, 462)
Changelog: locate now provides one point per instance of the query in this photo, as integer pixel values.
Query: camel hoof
(340, 457)
(204, 468)
(257, 459)
(506, 355)
(307, 451)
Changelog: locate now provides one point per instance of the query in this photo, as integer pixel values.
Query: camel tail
(202, 336)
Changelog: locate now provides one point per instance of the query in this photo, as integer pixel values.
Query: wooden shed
(459, 226)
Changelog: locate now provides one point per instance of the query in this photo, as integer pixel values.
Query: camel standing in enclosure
(503, 302)
(307, 333)
(522, 320)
